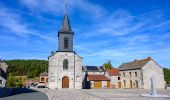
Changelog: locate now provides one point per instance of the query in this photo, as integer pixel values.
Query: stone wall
(152, 69)
(129, 77)
(56, 72)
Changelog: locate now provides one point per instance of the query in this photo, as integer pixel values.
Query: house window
(124, 83)
(65, 43)
(0, 81)
(130, 74)
(124, 74)
(65, 64)
(118, 78)
(136, 74)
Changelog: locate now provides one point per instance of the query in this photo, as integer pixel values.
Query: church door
(65, 82)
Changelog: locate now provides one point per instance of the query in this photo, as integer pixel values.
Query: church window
(0, 81)
(65, 43)
(118, 78)
(65, 64)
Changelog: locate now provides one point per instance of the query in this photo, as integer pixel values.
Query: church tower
(65, 36)
(65, 65)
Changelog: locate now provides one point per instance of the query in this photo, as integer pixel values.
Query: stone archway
(65, 82)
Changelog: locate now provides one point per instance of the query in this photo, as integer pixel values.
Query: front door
(65, 82)
(108, 84)
(119, 84)
(130, 83)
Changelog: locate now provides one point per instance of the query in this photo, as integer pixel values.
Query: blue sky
(116, 30)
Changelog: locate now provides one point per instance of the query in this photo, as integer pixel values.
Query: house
(94, 77)
(137, 74)
(44, 78)
(3, 75)
(115, 78)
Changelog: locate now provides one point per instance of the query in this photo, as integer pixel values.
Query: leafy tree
(166, 74)
(107, 65)
(10, 80)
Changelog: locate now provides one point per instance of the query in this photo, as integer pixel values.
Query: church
(65, 69)
(65, 65)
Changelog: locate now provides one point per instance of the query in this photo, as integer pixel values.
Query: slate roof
(44, 74)
(136, 64)
(113, 72)
(97, 78)
(93, 68)
(66, 25)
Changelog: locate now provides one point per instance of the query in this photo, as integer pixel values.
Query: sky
(116, 30)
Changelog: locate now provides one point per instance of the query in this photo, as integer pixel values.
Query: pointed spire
(66, 25)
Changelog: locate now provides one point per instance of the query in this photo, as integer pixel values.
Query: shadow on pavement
(5, 92)
(17, 91)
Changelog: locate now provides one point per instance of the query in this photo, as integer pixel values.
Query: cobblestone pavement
(102, 94)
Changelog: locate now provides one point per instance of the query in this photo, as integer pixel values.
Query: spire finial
(66, 7)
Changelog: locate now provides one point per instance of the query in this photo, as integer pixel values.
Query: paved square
(102, 94)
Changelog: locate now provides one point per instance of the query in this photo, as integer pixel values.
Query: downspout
(74, 70)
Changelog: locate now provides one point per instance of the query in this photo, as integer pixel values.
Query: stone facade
(131, 79)
(56, 71)
(137, 74)
(152, 69)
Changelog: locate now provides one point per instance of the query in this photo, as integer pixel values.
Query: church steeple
(66, 25)
(65, 36)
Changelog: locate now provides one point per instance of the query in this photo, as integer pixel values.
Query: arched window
(42, 79)
(65, 43)
(65, 64)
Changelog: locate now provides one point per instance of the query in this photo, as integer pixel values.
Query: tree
(10, 81)
(108, 65)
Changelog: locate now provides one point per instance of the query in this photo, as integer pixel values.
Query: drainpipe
(74, 69)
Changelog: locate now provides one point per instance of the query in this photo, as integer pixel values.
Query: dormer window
(65, 43)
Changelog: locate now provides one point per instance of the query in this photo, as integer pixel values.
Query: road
(26, 94)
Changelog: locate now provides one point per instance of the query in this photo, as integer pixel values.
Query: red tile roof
(113, 72)
(97, 78)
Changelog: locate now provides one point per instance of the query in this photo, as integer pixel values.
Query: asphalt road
(22, 94)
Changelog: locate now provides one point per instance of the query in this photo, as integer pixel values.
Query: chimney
(149, 58)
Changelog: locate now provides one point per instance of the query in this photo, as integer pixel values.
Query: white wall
(3, 82)
(56, 70)
(152, 69)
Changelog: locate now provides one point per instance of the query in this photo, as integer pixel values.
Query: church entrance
(65, 82)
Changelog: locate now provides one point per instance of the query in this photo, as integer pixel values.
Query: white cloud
(13, 22)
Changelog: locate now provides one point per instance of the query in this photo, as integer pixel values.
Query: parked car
(41, 85)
